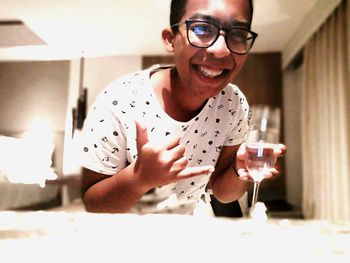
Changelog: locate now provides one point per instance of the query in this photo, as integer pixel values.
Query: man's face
(206, 71)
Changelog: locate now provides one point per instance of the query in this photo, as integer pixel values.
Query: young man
(153, 138)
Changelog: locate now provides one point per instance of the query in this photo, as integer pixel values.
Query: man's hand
(162, 163)
(279, 151)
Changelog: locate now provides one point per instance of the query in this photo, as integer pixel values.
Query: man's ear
(168, 39)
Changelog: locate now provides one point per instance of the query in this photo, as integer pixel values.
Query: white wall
(31, 90)
(99, 72)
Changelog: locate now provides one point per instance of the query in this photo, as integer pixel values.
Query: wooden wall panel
(261, 79)
(148, 61)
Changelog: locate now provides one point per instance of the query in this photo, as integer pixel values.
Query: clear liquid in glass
(260, 159)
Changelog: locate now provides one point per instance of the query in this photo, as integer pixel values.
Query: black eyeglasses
(203, 34)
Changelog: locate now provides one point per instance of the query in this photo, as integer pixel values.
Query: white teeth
(210, 73)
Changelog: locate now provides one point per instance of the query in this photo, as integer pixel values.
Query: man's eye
(239, 34)
(201, 30)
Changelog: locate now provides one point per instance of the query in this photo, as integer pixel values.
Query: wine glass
(262, 135)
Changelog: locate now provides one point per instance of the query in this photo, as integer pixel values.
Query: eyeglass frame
(189, 22)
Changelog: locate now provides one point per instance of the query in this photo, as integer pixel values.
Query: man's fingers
(241, 151)
(175, 153)
(195, 171)
(179, 165)
(172, 142)
(141, 135)
(280, 149)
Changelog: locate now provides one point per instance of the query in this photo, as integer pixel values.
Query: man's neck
(172, 97)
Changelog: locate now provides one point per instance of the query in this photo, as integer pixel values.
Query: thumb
(141, 135)
(241, 152)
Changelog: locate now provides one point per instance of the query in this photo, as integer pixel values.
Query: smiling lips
(210, 73)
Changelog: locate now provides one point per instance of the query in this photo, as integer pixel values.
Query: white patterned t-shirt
(109, 136)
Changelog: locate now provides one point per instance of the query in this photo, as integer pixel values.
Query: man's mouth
(210, 73)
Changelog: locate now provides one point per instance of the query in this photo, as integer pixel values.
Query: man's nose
(219, 49)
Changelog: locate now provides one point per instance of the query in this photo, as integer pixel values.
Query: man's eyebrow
(205, 18)
(233, 23)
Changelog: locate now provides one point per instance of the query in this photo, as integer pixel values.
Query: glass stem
(255, 193)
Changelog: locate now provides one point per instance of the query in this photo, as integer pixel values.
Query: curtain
(324, 121)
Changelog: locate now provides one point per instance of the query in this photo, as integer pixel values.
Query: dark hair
(178, 8)
(177, 11)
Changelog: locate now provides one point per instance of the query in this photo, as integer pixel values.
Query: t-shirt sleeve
(103, 144)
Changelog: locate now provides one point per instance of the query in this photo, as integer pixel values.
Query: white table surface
(61, 236)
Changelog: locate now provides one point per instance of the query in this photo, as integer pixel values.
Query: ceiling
(61, 29)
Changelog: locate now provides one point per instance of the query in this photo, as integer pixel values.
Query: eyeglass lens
(203, 34)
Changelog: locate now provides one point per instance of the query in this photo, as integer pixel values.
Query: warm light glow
(40, 131)
(29, 160)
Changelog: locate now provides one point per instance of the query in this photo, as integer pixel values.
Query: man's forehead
(228, 11)
(226, 24)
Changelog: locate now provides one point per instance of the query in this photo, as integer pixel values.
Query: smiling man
(156, 140)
